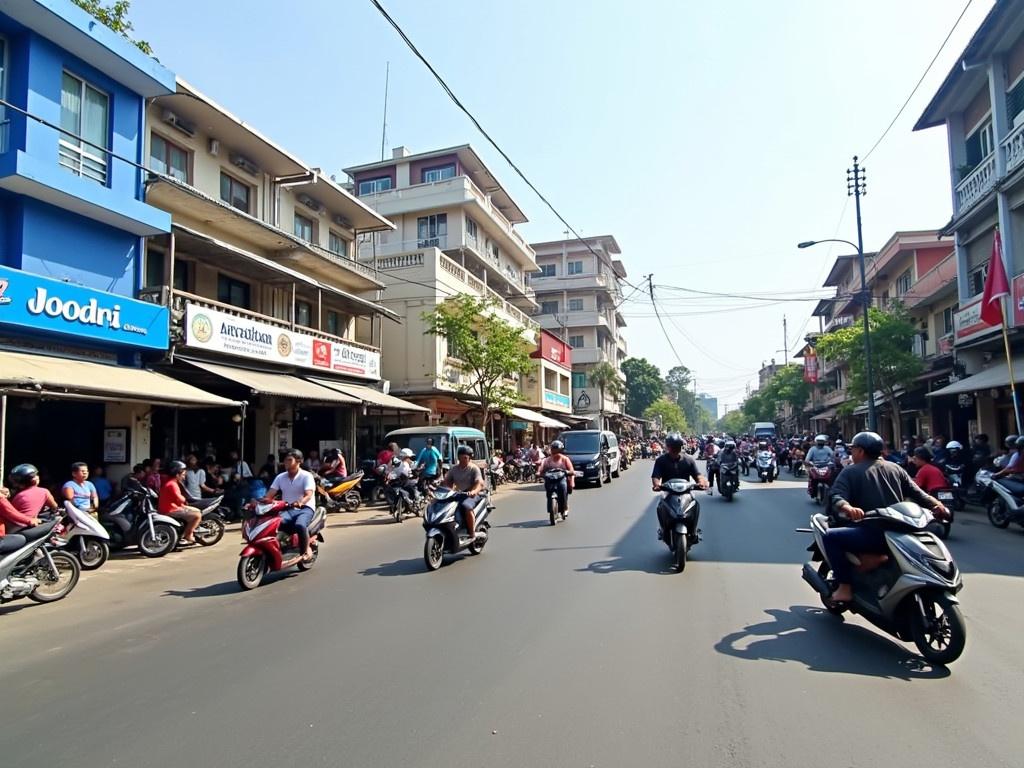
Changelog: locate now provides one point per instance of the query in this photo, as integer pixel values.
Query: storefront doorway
(53, 434)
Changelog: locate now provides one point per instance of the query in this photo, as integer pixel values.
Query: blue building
(74, 339)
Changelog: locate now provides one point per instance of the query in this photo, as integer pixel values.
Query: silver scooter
(29, 566)
(1005, 504)
(911, 594)
(678, 505)
(446, 531)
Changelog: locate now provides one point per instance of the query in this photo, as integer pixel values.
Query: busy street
(576, 644)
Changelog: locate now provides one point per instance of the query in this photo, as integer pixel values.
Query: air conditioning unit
(309, 202)
(178, 124)
(214, 147)
(452, 375)
(341, 221)
(247, 165)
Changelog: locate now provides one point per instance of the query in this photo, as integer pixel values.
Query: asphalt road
(571, 646)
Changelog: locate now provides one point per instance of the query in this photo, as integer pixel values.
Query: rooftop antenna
(384, 126)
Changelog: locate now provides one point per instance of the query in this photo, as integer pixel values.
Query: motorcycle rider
(711, 451)
(727, 458)
(404, 470)
(558, 460)
(172, 501)
(1011, 457)
(928, 476)
(981, 452)
(841, 453)
(672, 465)
(429, 461)
(29, 497)
(819, 453)
(297, 488)
(9, 542)
(869, 483)
(333, 464)
(466, 478)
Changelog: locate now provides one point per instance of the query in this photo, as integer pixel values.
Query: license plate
(945, 496)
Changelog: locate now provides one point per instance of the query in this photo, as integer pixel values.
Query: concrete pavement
(565, 646)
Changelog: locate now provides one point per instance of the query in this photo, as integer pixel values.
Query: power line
(921, 80)
(650, 288)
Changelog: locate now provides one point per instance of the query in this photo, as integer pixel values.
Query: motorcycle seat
(36, 532)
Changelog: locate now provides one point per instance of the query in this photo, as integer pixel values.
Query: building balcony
(835, 397)
(1013, 147)
(976, 185)
(588, 355)
(933, 284)
(599, 282)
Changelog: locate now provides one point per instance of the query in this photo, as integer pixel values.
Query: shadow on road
(638, 550)
(408, 567)
(211, 590)
(527, 524)
(823, 643)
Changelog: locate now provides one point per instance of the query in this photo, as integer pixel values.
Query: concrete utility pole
(856, 185)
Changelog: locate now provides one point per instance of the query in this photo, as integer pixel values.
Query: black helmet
(1011, 441)
(870, 442)
(1020, 442)
(674, 441)
(557, 445)
(730, 445)
(175, 467)
(23, 474)
(464, 450)
(332, 454)
(923, 453)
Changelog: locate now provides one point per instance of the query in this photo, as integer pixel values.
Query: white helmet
(822, 439)
(954, 445)
(406, 453)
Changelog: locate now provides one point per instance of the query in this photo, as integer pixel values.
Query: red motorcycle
(269, 548)
(820, 474)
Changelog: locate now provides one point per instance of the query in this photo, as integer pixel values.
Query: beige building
(579, 290)
(268, 302)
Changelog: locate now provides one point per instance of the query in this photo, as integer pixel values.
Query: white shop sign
(222, 332)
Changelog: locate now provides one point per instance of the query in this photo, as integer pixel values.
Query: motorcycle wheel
(820, 495)
(209, 531)
(379, 495)
(352, 501)
(94, 554)
(165, 540)
(51, 589)
(477, 546)
(552, 509)
(728, 495)
(251, 570)
(997, 514)
(825, 571)
(959, 505)
(433, 552)
(305, 565)
(940, 634)
(679, 556)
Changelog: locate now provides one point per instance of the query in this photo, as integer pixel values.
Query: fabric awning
(369, 395)
(44, 376)
(994, 376)
(525, 414)
(278, 384)
(825, 415)
(553, 424)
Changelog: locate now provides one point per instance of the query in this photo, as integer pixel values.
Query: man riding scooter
(466, 478)
(297, 488)
(819, 453)
(671, 465)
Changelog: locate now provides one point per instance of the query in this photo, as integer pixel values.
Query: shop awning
(525, 414)
(994, 376)
(369, 395)
(43, 376)
(825, 415)
(278, 384)
(553, 424)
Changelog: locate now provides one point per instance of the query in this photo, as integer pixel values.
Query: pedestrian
(237, 468)
(79, 491)
(154, 477)
(104, 490)
(214, 479)
(269, 469)
(195, 478)
(312, 462)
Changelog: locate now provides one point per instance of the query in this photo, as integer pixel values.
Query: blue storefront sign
(32, 303)
(557, 399)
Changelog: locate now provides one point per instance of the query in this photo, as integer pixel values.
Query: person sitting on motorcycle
(869, 483)
(405, 469)
(297, 488)
(29, 497)
(172, 501)
(727, 458)
(981, 451)
(711, 451)
(333, 464)
(466, 478)
(672, 465)
(841, 452)
(1010, 458)
(819, 453)
(928, 477)
(11, 541)
(558, 460)
(429, 461)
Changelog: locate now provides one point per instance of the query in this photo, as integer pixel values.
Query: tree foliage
(489, 350)
(786, 386)
(643, 384)
(115, 16)
(734, 422)
(678, 382)
(606, 378)
(668, 414)
(894, 365)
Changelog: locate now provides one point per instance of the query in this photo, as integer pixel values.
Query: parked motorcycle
(911, 595)
(767, 469)
(552, 479)
(678, 505)
(211, 527)
(339, 493)
(728, 480)
(81, 535)
(132, 520)
(269, 548)
(821, 473)
(446, 531)
(1004, 500)
(35, 569)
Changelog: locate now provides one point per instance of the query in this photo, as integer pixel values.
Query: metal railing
(1013, 147)
(977, 183)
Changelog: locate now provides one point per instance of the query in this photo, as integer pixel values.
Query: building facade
(709, 404)
(579, 290)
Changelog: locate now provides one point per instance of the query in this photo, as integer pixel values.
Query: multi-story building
(268, 302)
(73, 226)
(981, 103)
(709, 404)
(455, 235)
(579, 288)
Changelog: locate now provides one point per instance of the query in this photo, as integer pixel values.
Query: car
(594, 452)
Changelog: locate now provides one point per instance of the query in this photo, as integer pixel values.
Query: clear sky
(708, 138)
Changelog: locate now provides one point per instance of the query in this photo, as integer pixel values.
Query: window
(84, 112)
(575, 305)
(903, 283)
(235, 193)
(576, 342)
(233, 292)
(168, 158)
(303, 228)
(575, 267)
(440, 173)
(1015, 103)
(979, 144)
(471, 230)
(304, 313)
(333, 323)
(547, 270)
(492, 251)
(549, 307)
(432, 231)
(947, 320)
(156, 263)
(375, 186)
(976, 280)
(337, 244)
(579, 380)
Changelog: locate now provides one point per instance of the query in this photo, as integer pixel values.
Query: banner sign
(218, 331)
(811, 367)
(553, 349)
(34, 303)
(556, 400)
(967, 323)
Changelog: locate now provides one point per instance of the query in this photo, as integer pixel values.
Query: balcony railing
(977, 184)
(345, 261)
(1013, 146)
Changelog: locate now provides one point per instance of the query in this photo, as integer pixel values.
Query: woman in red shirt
(9, 542)
(558, 460)
(172, 501)
(928, 477)
(29, 498)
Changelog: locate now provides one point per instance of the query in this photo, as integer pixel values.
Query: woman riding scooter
(558, 460)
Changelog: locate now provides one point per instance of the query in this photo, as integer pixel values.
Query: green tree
(115, 16)
(668, 414)
(489, 350)
(894, 365)
(787, 385)
(606, 379)
(678, 383)
(734, 422)
(643, 384)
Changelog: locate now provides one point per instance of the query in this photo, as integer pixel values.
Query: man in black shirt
(672, 465)
(869, 483)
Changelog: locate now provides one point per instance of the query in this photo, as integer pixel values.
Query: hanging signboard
(811, 367)
(968, 325)
(218, 331)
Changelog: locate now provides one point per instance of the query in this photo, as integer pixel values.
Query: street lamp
(866, 302)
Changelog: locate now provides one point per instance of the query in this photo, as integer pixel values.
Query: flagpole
(1009, 365)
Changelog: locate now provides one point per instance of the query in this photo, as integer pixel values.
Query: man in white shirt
(195, 478)
(297, 487)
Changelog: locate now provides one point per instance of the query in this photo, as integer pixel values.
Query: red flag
(996, 285)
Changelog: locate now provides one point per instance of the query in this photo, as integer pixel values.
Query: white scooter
(84, 537)
(1004, 503)
(29, 568)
